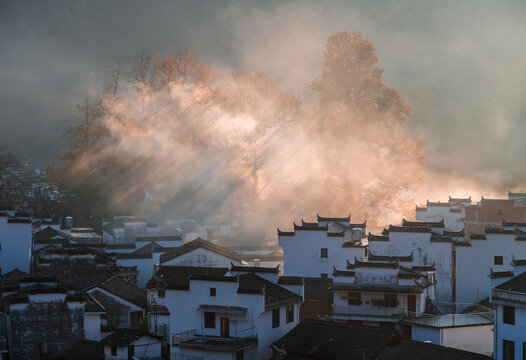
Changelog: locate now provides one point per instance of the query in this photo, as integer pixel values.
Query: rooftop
(334, 219)
(196, 244)
(275, 295)
(255, 269)
(177, 277)
(123, 289)
(414, 350)
(433, 224)
(316, 339)
(516, 284)
(122, 337)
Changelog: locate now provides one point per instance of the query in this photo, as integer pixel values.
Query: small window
(239, 355)
(212, 291)
(355, 298)
(113, 351)
(508, 315)
(290, 313)
(275, 318)
(499, 211)
(508, 350)
(210, 320)
(324, 253)
(390, 300)
(524, 351)
(324, 275)
(131, 351)
(498, 260)
(161, 294)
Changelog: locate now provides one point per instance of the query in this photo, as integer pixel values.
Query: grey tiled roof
(196, 244)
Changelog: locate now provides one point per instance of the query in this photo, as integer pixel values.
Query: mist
(459, 67)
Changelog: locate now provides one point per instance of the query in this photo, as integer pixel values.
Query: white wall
(424, 252)
(122, 353)
(15, 251)
(426, 333)
(92, 326)
(302, 253)
(201, 257)
(144, 268)
(477, 339)
(184, 315)
(473, 264)
(452, 220)
(516, 333)
(267, 335)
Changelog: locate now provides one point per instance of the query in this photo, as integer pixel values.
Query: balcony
(243, 339)
(508, 296)
(451, 315)
(366, 312)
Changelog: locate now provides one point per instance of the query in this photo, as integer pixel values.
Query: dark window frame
(508, 315)
(289, 312)
(213, 291)
(508, 350)
(498, 260)
(275, 318)
(113, 351)
(354, 298)
(391, 300)
(324, 253)
(210, 320)
(161, 293)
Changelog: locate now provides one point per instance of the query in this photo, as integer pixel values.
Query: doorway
(411, 303)
(225, 327)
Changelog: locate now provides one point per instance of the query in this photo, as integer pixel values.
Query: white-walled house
(313, 249)
(201, 253)
(45, 318)
(376, 292)
(125, 343)
(509, 300)
(495, 248)
(224, 313)
(451, 212)
(428, 244)
(125, 303)
(145, 258)
(15, 243)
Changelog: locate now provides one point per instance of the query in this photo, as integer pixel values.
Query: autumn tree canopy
(233, 143)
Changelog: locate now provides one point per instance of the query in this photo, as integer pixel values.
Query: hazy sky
(460, 65)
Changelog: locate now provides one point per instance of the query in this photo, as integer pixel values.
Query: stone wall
(54, 323)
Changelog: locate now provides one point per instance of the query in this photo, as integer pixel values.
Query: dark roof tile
(196, 244)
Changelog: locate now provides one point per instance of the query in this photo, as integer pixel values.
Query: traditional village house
(76, 265)
(44, 318)
(145, 259)
(15, 241)
(124, 302)
(313, 249)
(508, 296)
(260, 255)
(461, 214)
(314, 339)
(201, 253)
(429, 244)
(451, 212)
(124, 344)
(377, 291)
(224, 312)
(494, 248)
